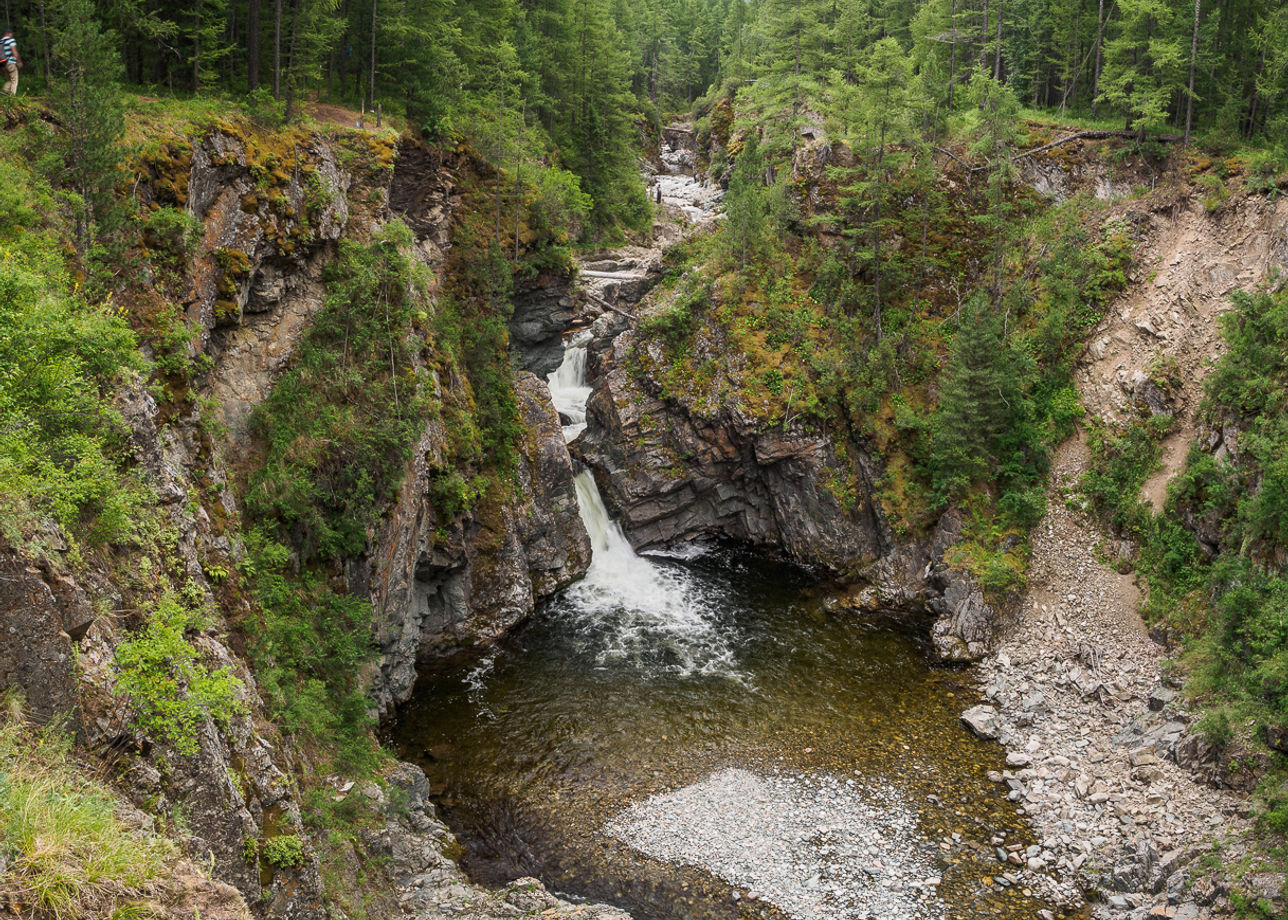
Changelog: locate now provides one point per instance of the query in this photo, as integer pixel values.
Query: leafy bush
(173, 691)
(340, 424)
(1227, 601)
(62, 443)
(283, 851)
(309, 651)
(1120, 464)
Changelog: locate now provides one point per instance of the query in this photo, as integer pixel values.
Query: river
(703, 735)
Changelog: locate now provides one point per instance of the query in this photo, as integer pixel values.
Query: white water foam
(568, 388)
(632, 608)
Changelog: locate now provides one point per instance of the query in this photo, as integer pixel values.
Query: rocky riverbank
(1103, 757)
(819, 847)
(1077, 693)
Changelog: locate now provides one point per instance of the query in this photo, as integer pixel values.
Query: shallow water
(725, 661)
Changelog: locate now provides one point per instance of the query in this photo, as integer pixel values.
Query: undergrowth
(68, 855)
(63, 445)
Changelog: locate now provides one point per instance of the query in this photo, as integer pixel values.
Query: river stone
(983, 721)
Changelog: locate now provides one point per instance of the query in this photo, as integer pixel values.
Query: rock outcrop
(415, 844)
(673, 473)
(271, 211)
(42, 617)
(439, 584)
(543, 310)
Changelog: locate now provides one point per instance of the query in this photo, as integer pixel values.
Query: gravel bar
(816, 846)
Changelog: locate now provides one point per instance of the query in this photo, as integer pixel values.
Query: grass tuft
(69, 855)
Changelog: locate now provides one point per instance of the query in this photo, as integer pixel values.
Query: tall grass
(69, 855)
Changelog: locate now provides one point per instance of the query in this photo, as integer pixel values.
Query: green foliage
(62, 443)
(172, 690)
(340, 425)
(309, 652)
(68, 854)
(1226, 599)
(675, 322)
(86, 98)
(283, 851)
(1120, 464)
(984, 424)
(172, 232)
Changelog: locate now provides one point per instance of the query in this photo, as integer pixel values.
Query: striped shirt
(9, 48)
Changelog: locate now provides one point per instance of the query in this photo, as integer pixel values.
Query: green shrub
(173, 232)
(173, 691)
(62, 443)
(309, 651)
(283, 851)
(1215, 727)
(1120, 463)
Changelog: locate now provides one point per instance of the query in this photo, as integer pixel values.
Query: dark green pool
(601, 701)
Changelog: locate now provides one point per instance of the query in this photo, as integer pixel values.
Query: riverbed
(616, 748)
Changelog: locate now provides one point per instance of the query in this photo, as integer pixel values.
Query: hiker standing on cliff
(12, 61)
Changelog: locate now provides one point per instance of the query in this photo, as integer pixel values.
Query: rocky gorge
(1102, 755)
(1099, 753)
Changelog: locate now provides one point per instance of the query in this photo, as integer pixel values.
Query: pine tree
(878, 125)
(86, 97)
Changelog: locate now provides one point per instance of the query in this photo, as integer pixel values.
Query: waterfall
(568, 388)
(632, 607)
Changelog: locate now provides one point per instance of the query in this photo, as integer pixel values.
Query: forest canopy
(575, 83)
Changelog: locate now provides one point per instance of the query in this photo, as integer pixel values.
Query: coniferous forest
(577, 73)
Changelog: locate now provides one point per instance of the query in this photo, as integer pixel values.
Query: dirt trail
(1078, 682)
(1165, 326)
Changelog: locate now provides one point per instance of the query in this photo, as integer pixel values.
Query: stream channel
(700, 735)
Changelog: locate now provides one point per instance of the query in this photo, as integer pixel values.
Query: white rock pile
(816, 846)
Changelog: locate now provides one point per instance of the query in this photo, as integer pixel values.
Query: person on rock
(12, 61)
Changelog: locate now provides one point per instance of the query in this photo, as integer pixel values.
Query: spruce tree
(85, 94)
(1144, 63)
(981, 403)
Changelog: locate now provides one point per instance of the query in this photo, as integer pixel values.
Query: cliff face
(271, 210)
(675, 471)
(438, 584)
(435, 583)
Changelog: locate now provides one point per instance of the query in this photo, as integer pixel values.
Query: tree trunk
(997, 53)
(44, 39)
(1100, 48)
(496, 156)
(952, 56)
(277, 50)
(291, 92)
(372, 79)
(876, 224)
(518, 173)
(252, 46)
(652, 66)
(1194, 53)
(983, 41)
(196, 47)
